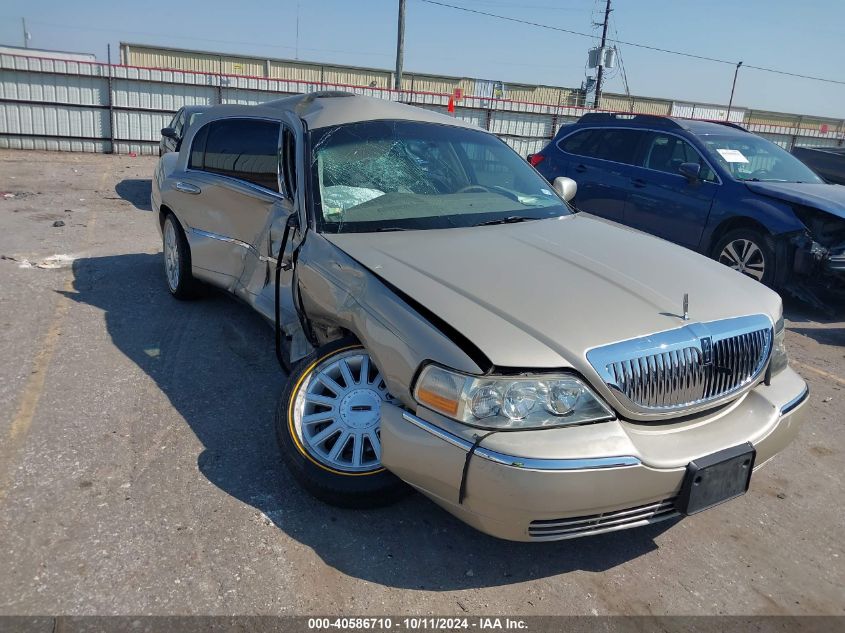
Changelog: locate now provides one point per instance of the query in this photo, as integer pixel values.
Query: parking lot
(139, 471)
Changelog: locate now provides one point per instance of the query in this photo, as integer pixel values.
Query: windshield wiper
(511, 219)
(384, 229)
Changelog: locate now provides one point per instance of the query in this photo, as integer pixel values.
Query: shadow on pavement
(214, 360)
(136, 191)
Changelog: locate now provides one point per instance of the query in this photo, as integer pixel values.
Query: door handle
(581, 169)
(186, 187)
(639, 183)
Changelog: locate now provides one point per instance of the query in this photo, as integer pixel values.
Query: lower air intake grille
(556, 529)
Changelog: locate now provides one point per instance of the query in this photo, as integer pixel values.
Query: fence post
(111, 103)
(797, 133)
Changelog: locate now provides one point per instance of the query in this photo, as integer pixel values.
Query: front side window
(176, 121)
(407, 175)
(239, 148)
(753, 158)
(666, 153)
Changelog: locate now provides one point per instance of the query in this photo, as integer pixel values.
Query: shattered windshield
(752, 158)
(406, 175)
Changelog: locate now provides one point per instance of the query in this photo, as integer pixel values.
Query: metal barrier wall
(51, 104)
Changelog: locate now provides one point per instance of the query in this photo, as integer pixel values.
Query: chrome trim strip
(527, 463)
(796, 402)
(222, 238)
(236, 242)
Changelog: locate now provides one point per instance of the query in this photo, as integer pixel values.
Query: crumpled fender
(339, 293)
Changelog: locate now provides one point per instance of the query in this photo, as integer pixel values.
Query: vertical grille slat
(668, 377)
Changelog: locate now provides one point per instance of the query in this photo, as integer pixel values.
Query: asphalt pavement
(139, 472)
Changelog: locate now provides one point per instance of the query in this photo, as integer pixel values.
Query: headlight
(509, 402)
(779, 359)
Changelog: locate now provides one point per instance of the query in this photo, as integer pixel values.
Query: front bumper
(561, 483)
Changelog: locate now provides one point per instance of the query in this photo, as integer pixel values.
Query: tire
(351, 476)
(177, 260)
(747, 251)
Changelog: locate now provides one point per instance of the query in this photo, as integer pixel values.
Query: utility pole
(731, 102)
(400, 46)
(296, 54)
(601, 53)
(26, 35)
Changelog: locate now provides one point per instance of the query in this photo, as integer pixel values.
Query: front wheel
(328, 427)
(747, 251)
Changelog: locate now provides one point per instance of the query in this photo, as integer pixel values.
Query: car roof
(651, 121)
(327, 108)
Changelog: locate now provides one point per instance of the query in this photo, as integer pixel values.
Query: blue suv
(712, 187)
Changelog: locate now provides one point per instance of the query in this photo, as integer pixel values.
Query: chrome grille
(692, 366)
(557, 529)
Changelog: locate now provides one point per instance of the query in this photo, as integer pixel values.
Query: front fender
(776, 216)
(338, 292)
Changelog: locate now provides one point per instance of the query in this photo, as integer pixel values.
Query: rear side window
(620, 146)
(617, 145)
(239, 148)
(666, 153)
(581, 143)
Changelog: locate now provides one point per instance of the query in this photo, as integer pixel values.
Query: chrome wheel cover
(171, 255)
(746, 257)
(337, 412)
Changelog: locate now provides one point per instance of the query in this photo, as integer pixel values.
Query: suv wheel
(747, 251)
(328, 426)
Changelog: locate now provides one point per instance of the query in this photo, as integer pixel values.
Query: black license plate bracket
(716, 478)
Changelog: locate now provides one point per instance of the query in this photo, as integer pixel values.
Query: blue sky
(806, 37)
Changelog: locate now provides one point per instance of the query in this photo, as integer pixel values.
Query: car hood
(824, 197)
(542, 293)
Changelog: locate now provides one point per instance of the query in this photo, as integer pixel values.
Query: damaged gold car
(453, 324)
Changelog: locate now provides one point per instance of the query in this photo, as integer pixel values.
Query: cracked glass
(407, 175)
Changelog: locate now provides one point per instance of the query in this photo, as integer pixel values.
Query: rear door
(600, 162)
(664, 202)
(229, 193)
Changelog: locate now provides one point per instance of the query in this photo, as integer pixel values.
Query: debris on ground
(49, 263)
(59, 223)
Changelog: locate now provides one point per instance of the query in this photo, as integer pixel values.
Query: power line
(634, 44)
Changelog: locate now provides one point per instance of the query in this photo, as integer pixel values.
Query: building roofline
(24, 50)
(337, 65)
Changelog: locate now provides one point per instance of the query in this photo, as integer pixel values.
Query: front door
(664, 202)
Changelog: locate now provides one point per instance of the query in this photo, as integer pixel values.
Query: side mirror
(692, 171)
(566, 187)
(169, 132)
